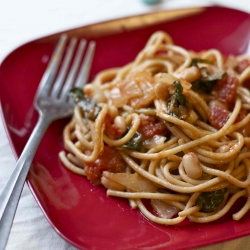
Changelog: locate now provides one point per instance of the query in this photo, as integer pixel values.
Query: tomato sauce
(108, 160)
(226, 88)
(218, 116)
(151, 125)
(111, 129)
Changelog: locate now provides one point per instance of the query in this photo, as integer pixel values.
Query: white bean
(113, 111)
(120, 122)
(189, 74)
(192, 165)
(94, 92)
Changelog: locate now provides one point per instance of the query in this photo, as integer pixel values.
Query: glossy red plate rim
(80, 212)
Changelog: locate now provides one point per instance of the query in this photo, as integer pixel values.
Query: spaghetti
(171, 127)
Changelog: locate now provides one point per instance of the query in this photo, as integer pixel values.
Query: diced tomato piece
(246, 83)
(108, 160)
(242, 114)
(245, 131)
(151, 125)
(112, 129)
(242, 65)
(218, 116)
(226, 88)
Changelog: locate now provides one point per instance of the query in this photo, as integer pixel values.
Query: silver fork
(52, 103)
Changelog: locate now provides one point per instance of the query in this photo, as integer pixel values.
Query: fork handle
(11, 193)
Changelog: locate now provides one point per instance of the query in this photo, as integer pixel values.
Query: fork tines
(67, 70)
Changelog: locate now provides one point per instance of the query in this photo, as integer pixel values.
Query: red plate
(81, 213)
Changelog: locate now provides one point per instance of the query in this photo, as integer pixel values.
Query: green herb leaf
(177, 104)
(207, 81)
(90, 108)
(209, 201)
(135, 143)
(182, 99)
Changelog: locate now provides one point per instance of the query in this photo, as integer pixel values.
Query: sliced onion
(110, 184)
(118, 99)
(146, 98)
(136, 91)
(130, 89)
(163, 209)
(134, 181)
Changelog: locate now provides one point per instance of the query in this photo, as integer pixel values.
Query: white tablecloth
(22, 21)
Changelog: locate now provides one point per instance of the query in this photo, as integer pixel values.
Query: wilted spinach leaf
(177, 104)
(90, 108)
(135, 143)
(207, 80)
(209, 201)
(182, 99)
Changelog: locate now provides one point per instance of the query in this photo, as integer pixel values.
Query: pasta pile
(171, 127)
